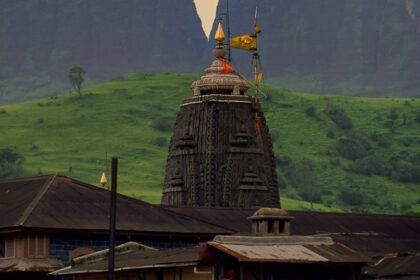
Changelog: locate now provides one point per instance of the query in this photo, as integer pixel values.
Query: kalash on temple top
(220, 154)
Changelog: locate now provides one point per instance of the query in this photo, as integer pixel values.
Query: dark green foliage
(330, 133)
(418, 117)
(338, 116)
(76, 78)
(33, 147)
(380, 139)
(162, 125)
(353, 147)
(10, 163)
(404, 171)
(371, 165)
(351, 196)
(283, 161)
(405, 207)
(310, 111)
(274, 135)
(393, 117)
(160, 142)
(3, 112)
(303, 176)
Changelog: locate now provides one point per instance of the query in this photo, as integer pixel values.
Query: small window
(281, 227)
(2, 247)
(258, 226)
(270, 226)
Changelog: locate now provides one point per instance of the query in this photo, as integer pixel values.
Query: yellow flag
(245, 42)
(258, 79)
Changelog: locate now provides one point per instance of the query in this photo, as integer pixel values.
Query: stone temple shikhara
(220, 154)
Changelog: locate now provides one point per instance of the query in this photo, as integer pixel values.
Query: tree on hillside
(76, 78)
(10, 163)
(303, 176)
(393, 117)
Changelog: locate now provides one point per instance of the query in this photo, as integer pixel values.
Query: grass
(74, 135)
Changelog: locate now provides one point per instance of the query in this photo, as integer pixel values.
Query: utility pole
(112, 218)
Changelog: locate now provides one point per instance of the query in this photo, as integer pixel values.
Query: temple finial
(220, 34)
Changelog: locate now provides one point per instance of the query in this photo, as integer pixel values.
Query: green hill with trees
(333, 153)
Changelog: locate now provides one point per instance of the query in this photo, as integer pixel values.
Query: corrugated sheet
(138, 260)
(286, 249)
(395, 265)
(270, 253)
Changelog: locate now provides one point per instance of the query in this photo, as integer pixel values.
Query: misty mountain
(40, 40)
(353, 47)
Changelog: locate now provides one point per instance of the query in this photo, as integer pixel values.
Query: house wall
(29, 245)
(252, 271)
(181, 273)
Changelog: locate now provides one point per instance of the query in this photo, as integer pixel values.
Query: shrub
(310, 111)
(160, 142)
(10, 163)
(162, 125)
(418, 117)
(372, 165)
(338, 116)
(303, 176)
(330, 133)
(353, 147)
(380, 139)
(351, 196)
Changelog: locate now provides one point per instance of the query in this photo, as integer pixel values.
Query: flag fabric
(245, 42)
(259, 78)
(226, 67)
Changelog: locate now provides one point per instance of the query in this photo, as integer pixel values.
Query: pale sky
(206, 9)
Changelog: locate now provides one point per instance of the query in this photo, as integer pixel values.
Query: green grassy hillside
(341, 153)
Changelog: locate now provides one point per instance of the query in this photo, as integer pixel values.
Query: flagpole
(228, 31)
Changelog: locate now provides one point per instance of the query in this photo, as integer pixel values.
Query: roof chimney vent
(270, 222)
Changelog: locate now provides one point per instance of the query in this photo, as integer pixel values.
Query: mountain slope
(350, 47)
(41, 40)
(346, 154)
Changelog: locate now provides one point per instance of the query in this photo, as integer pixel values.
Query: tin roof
(395, 265)
(309, 222)
(138, 260)
(59, 202)
(286, 249)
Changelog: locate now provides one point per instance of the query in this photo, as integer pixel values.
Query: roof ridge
(196, 219)
(26, 178)
(35, 201)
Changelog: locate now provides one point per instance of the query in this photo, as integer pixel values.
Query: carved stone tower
(220, 154)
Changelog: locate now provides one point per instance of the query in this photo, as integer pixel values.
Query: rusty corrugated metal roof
(286, 249)
(138, 260)
(395, 265)
(270, 253)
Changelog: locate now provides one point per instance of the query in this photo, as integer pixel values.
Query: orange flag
(226, 67)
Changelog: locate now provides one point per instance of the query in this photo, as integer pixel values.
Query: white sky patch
(206, 10)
